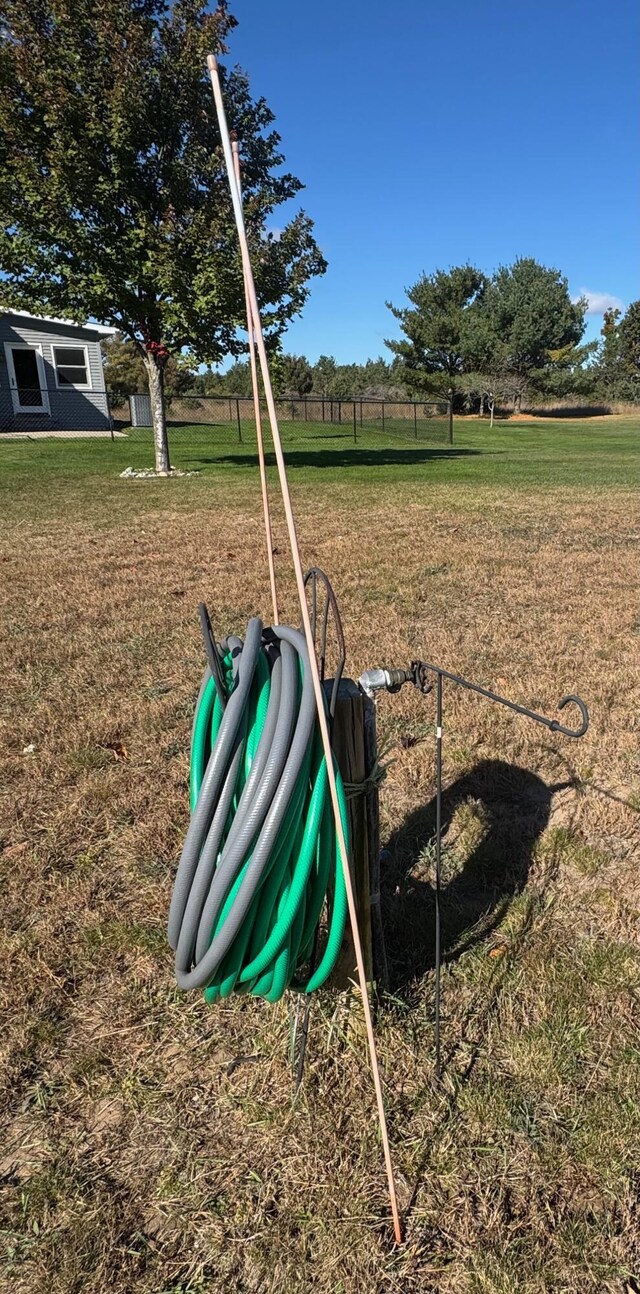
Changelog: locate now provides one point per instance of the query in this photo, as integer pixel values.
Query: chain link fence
(202, 428)
(196, 422)
(38, 412)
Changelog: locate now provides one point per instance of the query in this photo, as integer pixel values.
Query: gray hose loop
(239, 842)
(206, 872)
(216, 767)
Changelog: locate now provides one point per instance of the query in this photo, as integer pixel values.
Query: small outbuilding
(51, 374)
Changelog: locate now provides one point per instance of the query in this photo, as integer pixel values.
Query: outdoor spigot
(384, 680)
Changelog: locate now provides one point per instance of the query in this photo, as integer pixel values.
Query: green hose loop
(273, 944)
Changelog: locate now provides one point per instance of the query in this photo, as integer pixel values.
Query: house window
(72, 366)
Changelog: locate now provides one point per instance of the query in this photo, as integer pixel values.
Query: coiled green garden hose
(260, 857)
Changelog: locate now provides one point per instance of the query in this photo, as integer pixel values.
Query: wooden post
(323, 723)
(450, 415)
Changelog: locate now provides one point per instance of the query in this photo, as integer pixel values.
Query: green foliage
(373, 379)
(568, 371)
(629, 331)
(438, 328)
(291, 375)
(378, 378)
(528, 314)
(617, 371)
(325, 375)
(295, 375)
(492, 337)
(610, 375)
(114, 202)
(125, 373)
(235, 381)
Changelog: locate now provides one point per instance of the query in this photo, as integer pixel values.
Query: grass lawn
(601, 451)
(141, 1152)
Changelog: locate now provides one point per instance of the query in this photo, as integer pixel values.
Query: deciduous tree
(114, 203)
(125, 374)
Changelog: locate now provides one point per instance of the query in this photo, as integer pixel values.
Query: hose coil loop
(260, 856)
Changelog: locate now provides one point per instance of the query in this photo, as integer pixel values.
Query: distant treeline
(295, 375)
(509, 339)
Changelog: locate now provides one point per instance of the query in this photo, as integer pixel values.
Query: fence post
(238, 421)
(355, 425)
(450, 411)
(383, 415)
(323, 409)
(110, 416)
(361, 412)
(415, 419)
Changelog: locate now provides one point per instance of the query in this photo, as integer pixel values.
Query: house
(51, 374)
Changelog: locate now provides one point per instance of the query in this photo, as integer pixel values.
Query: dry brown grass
(133, 1159)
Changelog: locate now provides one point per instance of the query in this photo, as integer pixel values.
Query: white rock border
(150, 474)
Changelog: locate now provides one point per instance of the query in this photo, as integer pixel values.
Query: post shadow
(516, 805)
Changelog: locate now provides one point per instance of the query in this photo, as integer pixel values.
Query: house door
(27, 378)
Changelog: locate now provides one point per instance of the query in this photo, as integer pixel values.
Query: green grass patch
(599, 454)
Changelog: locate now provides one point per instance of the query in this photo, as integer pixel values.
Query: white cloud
(599, 301)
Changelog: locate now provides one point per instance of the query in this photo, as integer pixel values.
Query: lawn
(150, 1144)
(601, 451)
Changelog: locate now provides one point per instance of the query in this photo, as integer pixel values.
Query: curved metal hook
(555, 726)
(312, 579)
(419, 669)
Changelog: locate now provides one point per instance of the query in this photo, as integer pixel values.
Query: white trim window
(71, 365)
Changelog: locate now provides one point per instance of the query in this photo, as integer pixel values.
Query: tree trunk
(482, 405)
(155, 378)
(517, 404)
(492, 405)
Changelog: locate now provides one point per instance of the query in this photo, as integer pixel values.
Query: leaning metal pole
(256, 409)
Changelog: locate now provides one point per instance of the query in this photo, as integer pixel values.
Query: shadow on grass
(369, 457)
(573, 411)
(206, 428)
(507, 810)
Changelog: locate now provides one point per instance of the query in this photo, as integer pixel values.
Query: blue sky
(428, 134)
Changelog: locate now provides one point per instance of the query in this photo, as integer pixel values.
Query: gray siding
(71, 409)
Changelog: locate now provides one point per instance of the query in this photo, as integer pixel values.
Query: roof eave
(103, 330)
